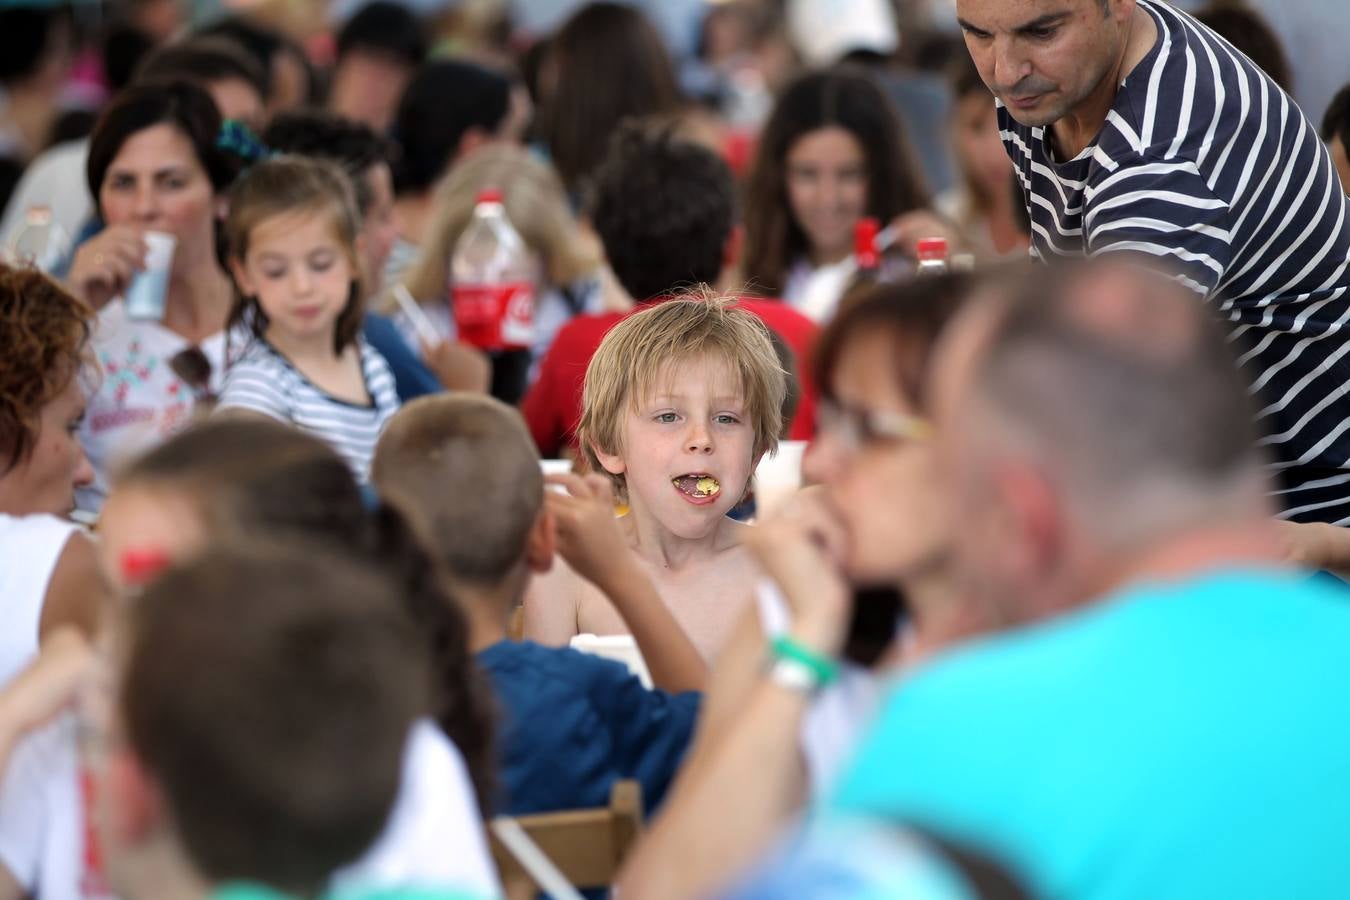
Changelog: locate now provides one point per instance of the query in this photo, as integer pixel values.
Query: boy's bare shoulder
(553, 603)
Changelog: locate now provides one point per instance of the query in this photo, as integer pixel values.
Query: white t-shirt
(41, 815)
(835, 720)
(138, 401)
(55, 179)
(434, 837)
(435, 833)
(815, 291)
(29, 549)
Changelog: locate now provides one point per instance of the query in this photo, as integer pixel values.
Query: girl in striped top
(292, 233)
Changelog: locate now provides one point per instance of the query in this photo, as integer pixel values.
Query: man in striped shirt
(1133, 128)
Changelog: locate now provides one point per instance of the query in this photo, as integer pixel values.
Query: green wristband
(823, 668)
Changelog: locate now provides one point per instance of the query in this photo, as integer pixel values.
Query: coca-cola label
(495, 316)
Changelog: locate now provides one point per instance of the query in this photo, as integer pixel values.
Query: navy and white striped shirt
(1206, 165)
(264, 381)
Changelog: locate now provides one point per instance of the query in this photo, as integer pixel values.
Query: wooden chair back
(587, 845)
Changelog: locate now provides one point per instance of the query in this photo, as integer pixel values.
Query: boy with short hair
(464, 473)
(680, 403)
(280, 773)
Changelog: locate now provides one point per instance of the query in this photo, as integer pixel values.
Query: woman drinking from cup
(158, 176)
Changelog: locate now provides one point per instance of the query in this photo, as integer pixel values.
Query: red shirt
(552, 408)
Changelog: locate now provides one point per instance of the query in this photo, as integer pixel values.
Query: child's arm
(43, 688)
(590, 540)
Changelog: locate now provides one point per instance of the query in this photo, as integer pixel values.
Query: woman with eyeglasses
(782, 714)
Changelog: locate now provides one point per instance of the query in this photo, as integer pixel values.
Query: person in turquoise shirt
(1162, 719)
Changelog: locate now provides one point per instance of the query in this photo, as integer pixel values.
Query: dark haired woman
(154, 166)
(831, 153)
(606, 64)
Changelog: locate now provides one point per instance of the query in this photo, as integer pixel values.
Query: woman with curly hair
(48, 570)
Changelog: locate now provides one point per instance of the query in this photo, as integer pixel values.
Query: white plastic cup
(556, 467)
(148, 291)
(778, 477)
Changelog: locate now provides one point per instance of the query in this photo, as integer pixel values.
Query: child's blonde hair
(639, 351)
(286, 185)
(535, 203)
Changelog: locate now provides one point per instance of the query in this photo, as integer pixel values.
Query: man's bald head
(1112, 392)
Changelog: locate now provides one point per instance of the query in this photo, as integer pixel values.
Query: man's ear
(541, 545)
(132, 806)
(1035, 524)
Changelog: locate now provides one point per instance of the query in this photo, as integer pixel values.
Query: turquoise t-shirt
(1179, 740)
(247, 890)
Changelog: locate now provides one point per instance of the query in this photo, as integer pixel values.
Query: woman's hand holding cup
(105, 265)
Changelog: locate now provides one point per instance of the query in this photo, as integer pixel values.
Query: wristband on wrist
(821, 669)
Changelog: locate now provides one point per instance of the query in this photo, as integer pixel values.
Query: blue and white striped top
(1207, 166)
(264, 381)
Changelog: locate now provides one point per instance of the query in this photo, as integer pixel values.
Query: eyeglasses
(857, 428)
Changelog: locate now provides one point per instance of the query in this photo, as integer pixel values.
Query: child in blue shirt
(464, 471)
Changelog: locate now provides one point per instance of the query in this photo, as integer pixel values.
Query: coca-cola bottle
(492, 280)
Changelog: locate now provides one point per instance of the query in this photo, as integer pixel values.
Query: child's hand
(458, 366)
(802, 549)
(50, 682)
(104, 265)
(589, 536)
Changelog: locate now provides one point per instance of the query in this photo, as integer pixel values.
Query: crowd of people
(322, 545)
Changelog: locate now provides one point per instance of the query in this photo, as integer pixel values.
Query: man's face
(1043, 58)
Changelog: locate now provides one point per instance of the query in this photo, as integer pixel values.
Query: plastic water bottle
(492, 280)
(39, 242)
(932, 253)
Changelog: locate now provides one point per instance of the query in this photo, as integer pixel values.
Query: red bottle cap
(865, 243)
(490, 195)
(932, 248)
(141, 565)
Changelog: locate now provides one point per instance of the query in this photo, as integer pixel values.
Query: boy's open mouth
(697, 485)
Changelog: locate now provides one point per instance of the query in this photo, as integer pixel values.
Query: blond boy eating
(681, 402)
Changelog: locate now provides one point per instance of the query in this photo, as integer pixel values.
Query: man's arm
(1165, 212)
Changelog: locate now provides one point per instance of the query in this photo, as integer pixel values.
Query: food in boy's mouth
(697, 486)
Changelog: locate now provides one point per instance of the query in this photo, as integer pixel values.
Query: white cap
(825, 30)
